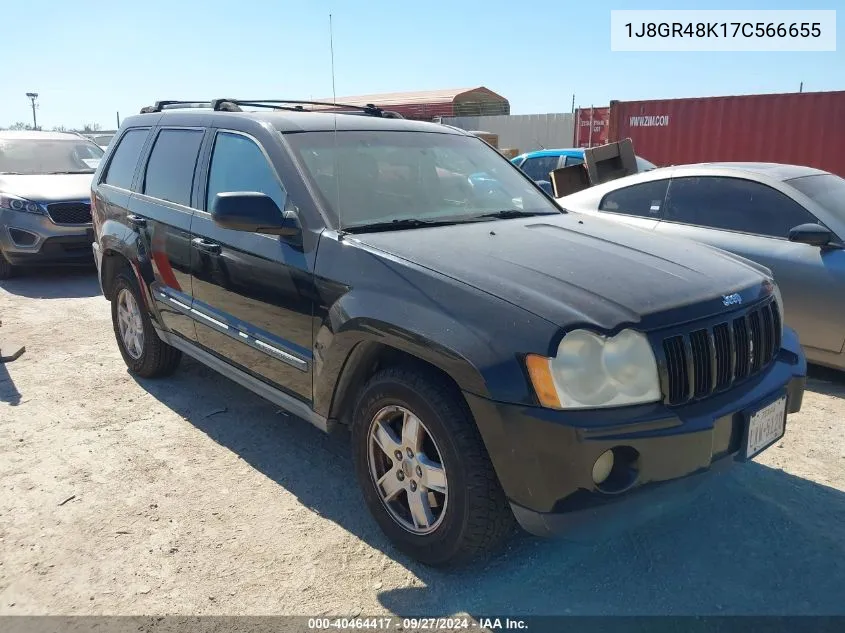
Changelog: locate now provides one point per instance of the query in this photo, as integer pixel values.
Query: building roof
(448, 95)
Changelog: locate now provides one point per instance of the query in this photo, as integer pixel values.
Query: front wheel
(424, 470)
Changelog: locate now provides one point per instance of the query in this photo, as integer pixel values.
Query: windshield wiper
(406, 223)
(505, 214)
(76, 171)
(11, 173)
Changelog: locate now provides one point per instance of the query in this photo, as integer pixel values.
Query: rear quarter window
(121, 168)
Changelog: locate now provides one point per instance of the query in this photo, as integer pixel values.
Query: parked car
(496, 357)
(45, 211)
(539, 164)
(791, 219)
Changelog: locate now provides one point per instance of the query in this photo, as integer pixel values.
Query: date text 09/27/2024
(417, 624)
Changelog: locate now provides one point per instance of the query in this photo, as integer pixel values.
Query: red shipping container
(795, 128)
(591, 126)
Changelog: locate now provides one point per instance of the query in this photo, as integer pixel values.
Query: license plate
(765, 426)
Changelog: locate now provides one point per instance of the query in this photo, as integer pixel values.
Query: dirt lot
(191, 495)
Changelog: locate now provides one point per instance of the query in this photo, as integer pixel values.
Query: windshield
(37, 156)
(825, 189)
(373, 177)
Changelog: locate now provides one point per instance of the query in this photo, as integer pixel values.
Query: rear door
(253, 293)
(751, 219)
(639, 205)
(161, 213)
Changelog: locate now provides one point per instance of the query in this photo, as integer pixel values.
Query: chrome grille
(720, 354)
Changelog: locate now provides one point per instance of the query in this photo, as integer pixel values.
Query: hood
(48, 187)
(573, 269)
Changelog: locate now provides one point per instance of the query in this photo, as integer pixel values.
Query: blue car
(538, 165)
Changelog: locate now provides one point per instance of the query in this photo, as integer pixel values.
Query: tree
(91, 127)
(60, 128)
(20, 125)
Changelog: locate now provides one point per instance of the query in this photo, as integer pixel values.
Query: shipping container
(591, 126)
(795, 128)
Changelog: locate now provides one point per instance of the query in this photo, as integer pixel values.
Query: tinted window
(170, 170)
(826, 189)
(238, 164)
(573, 160)
(121, 169)
(645, 200)
(539, 168)
(733, 204)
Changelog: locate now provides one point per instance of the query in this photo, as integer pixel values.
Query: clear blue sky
(91, 58)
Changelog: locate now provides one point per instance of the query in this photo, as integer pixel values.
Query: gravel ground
(191, 495)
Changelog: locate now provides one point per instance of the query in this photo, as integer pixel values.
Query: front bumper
(544, 458)
(33, 239)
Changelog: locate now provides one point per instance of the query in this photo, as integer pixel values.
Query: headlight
(592, 371)
(18, 204)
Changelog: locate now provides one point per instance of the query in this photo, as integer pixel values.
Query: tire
(149, 357)
(472, 519)
(6, 269)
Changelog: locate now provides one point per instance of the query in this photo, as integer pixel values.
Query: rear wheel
(143, 351)
(424, 471)
(6, 269)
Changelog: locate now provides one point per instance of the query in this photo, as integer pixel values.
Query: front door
(252, 303)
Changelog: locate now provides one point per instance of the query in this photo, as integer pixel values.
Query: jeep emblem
(730, 300)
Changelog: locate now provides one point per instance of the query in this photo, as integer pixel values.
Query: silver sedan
(791, 219)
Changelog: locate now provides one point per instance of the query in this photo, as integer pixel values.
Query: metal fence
(525, 132)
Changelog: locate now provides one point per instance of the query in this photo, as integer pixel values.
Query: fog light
(23, 238)
(602, 467)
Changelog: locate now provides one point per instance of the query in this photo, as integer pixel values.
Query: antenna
(331, 48)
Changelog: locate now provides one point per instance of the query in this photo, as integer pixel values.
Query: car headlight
(19, 204)
(592, 371)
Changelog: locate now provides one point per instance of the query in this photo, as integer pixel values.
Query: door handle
(137, 221)
(205, 246)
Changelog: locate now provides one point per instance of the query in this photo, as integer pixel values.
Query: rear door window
(121, 169)
(170, 170)
(540, 167)
(643, 200)
(573, 160)
(734, 204)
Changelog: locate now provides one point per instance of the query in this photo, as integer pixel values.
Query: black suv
(496, 357)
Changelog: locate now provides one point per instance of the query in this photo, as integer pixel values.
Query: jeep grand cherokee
(497, 358)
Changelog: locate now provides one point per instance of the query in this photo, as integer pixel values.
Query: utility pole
(573, 103)
(801, 87)
(32, 97)
(118, 118)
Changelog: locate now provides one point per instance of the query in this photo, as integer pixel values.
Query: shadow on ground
(826, 381)
(755, 541)
(54, 283)
(8, 391)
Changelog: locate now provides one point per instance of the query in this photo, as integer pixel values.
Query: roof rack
(158, 106)
(294, 105)
(290, 105)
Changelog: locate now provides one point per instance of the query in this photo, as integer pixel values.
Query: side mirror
(812, 234)
(253, 212)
